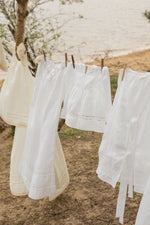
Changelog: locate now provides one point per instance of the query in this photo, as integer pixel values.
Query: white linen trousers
(37, 167)
(124, 154)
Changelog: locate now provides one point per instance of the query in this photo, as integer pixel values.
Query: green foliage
(147, 15)
(63, 2)
(45, 33)
(113, 80)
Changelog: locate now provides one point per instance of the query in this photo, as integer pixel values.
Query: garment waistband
(89, 69)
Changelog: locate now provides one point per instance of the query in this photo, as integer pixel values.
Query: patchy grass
(113, 81)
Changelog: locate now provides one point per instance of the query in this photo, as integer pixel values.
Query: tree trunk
(22, 14)
(61, 123)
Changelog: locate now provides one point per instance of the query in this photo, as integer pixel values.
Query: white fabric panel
(17, 90)
(37, 168)
(124, 154)
(17, 185)
(143, 216)
(89, 101)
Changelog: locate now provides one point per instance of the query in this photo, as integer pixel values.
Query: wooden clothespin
(44, 55)
(124, 69)
(26, 48)
(102, 63)
(73, 62)
(40, 53)
(66, 59)
(86, 68)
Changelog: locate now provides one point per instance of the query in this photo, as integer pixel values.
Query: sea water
(113, 27)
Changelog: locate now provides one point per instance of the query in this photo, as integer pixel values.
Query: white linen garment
(68, 85)
(89, 100)
(17, 185)
(124, 154)
(3, 62)
(61, 170)
(17, 90)
(143, 216)
(37, 167)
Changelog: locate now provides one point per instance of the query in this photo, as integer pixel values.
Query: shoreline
(139, 61)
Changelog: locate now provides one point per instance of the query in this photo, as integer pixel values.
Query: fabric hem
(85, 124)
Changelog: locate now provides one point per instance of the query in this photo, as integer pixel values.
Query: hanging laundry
(68, 85)
(17, 185)
(3, 61)
(61, 170)
(89, 101)
(124, 154)
(16, 182)
(17, 90)
(37, 167)
(143, 216)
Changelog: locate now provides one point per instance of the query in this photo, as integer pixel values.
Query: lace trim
(88, 117)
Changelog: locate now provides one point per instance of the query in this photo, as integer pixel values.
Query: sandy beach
(138, 61)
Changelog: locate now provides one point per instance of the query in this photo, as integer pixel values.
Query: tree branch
(6, 13)
(38, 4)
(7, 49)
(12, 30)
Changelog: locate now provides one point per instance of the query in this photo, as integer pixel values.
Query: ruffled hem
(41, 189)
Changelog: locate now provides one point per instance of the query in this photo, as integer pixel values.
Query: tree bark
(22, 14)
(61, 123)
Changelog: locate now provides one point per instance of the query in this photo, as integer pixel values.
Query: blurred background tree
(40, 31)
(147, 15)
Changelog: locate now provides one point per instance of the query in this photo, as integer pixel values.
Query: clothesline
(73, 61)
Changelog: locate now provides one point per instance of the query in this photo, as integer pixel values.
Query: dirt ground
(87, 200)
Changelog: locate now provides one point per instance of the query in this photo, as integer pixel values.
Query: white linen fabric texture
(3, 61)
(68, 85)
(124, 154)
(37, 167)
(61, 170)
(11, 103)
(17, 185)
(143, 216)
(17, 90)
(89, 101)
